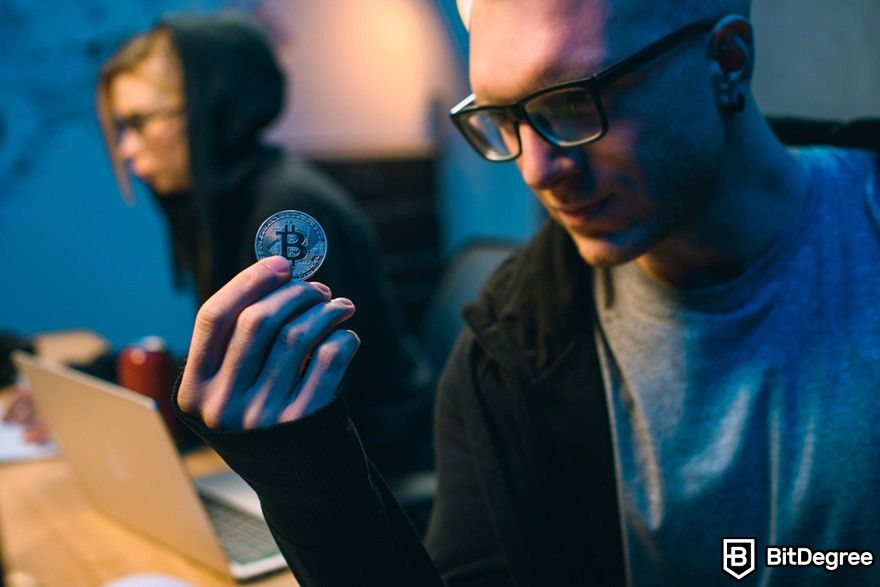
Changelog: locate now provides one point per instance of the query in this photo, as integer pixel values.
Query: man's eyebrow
(545, 79)
(553, 75)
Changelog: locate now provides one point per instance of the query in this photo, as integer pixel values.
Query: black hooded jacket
(233, 89)
(526, 491)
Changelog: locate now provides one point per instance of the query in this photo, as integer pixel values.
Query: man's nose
(129, 144)
(543, 165)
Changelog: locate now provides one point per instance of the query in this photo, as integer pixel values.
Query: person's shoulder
(535, 302)
(541, 262)
(293, 183)
(832, 150)
(847, 184)
(864, 167)
(292, 174)
(832, 164)
(513, 271)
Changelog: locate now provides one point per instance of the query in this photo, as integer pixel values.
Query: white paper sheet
(14, 448)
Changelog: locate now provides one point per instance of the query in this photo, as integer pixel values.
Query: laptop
(124, 460)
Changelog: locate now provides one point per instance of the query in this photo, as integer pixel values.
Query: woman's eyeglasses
(136, 122)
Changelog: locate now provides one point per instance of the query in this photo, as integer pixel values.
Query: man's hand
(266, 350)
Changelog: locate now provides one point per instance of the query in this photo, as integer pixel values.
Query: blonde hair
(152, 57)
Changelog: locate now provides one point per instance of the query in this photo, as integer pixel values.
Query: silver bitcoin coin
(297, 237)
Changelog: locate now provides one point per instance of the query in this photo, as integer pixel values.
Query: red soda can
(145, 367)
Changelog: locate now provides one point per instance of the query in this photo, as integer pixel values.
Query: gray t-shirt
(751, 409)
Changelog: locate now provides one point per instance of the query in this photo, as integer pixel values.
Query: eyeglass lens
(138, 121)
(493, 132)
(135, 122)
(567, 116)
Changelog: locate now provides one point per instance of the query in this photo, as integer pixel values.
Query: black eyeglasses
(138, 121)
(566, 115)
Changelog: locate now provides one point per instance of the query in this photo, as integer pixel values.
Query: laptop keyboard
(245, 538)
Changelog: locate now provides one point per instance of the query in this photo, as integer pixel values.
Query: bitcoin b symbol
(293, 243)
(297, 237)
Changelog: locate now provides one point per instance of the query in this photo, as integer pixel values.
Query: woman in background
(183, 108)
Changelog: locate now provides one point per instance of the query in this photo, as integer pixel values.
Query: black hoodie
(233, 89)
(526, 489)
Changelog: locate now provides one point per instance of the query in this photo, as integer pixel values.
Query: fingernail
(277, 264)
(321, 287)
(345, 302)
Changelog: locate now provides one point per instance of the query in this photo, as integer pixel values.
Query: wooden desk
(51, 532)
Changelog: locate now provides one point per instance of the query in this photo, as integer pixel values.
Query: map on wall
(51, 55)
(58, 199)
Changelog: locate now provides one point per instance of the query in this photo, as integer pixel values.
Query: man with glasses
(688, 352)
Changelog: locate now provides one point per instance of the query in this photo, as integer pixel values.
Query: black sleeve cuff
(311, 475)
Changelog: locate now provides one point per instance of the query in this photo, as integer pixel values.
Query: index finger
(216, 318)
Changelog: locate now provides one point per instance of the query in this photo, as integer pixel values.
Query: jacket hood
(534, 305)
(233, 89)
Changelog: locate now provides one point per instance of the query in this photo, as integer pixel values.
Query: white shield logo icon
(738, 556)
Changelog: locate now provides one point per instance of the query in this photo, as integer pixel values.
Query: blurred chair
(460, 284)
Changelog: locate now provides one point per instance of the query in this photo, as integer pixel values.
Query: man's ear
(732, 53)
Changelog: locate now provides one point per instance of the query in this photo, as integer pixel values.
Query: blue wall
(73, 254)
(478, 199)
